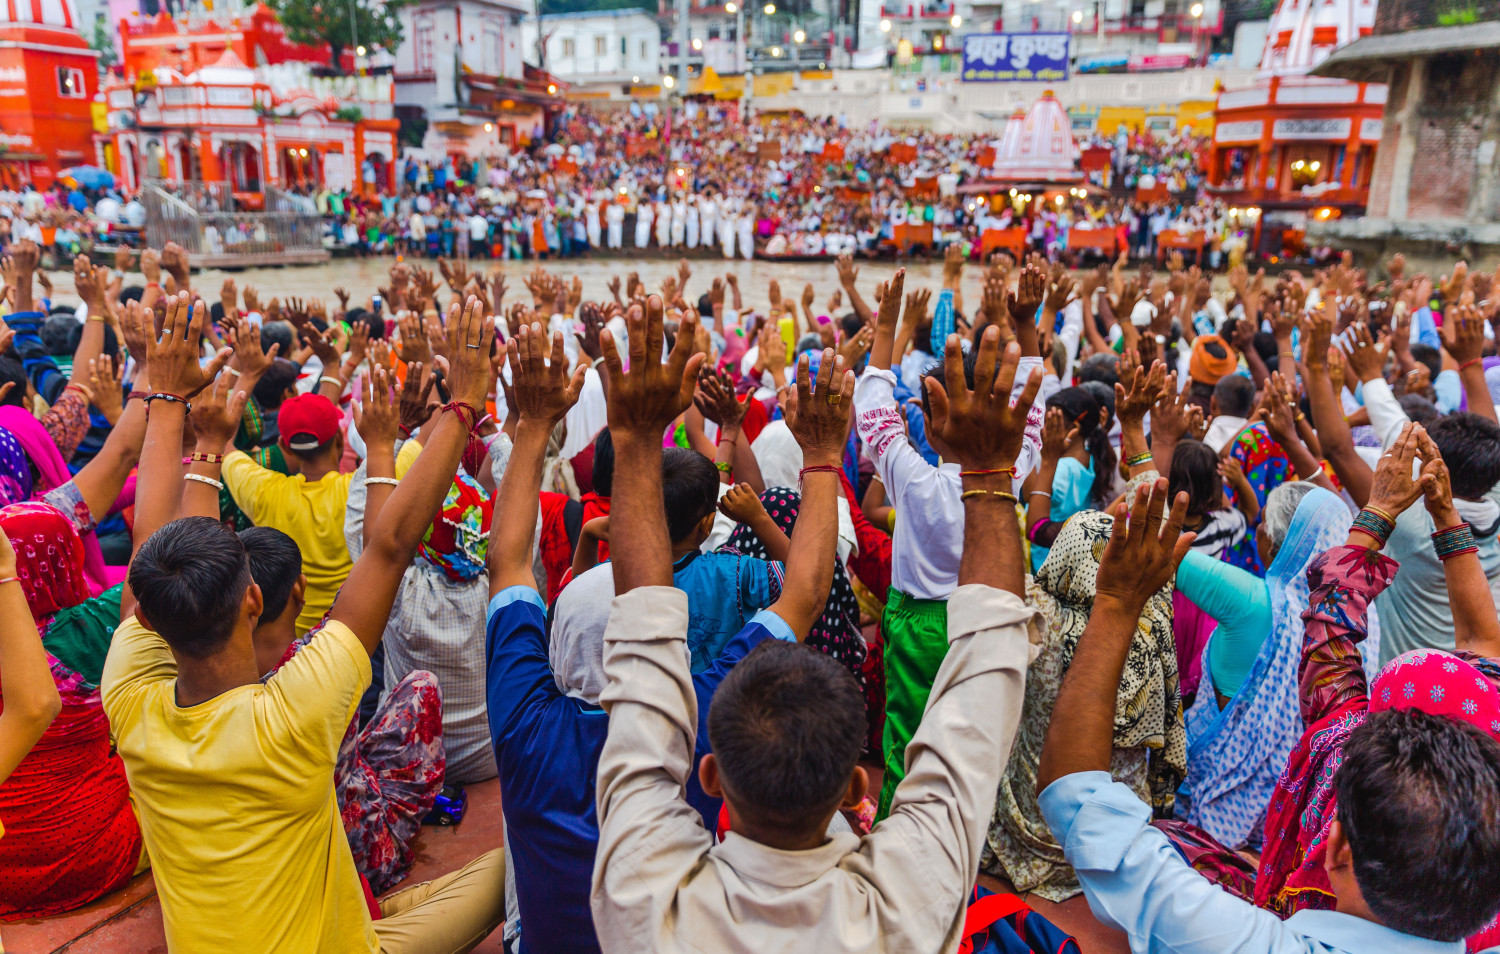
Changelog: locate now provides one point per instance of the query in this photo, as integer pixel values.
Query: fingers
(985, 360)
(953, 369)
(1154, 510)
(216, 364)
(1137, 528)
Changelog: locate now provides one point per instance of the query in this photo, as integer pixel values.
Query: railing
(198, 195)
(287, 232)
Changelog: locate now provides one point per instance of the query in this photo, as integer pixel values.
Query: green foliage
(342, 23)
(1458, 17)
(350, 114)
(102, 40)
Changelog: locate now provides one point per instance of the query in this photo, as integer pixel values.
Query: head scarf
(15, 472)
(1236, 754)
(1266, 467)
(837, 631)
(1150, 744)
(575, 647)
(49, 557)
(29, 432)
(1439, 683)
(458, 539)
(778, 454)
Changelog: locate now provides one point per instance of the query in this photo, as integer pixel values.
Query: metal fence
(192, 216)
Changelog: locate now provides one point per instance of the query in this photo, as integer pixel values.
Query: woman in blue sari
(1245, 719)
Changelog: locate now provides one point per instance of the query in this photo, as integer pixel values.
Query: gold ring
(834, 398)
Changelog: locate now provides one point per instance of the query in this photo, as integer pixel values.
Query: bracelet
(329, 379)
(164, 396)
(1388, 518)
(1031, 534)
(1374, 523)
(1454, 541)
(1041, 493)
(456, 406)
(134, 396)
(87, 393)
(202, 458)
(597, 361)
(819, 469)
(724, 466)
(1135, 460)
(1008, 471)
(1469, 362)
(215, 484)
(1003, 495)
(389, 481)
(232, 371)
(10, 579)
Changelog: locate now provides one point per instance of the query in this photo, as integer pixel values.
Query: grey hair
(1281, 506)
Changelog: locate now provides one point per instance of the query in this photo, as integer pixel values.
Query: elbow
(39, 710)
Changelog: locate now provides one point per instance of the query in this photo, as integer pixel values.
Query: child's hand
(1057, 435)
(596, 529)
(741, 504)
(1233, 474)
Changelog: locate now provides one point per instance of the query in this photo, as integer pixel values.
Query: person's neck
(778, 837)
(1078, 452)
(199, 680)
(312, 471)
(271, 640)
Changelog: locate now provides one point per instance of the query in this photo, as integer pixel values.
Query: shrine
(1037, 145)
(1293, 146)
(277, 126)
(48, 79)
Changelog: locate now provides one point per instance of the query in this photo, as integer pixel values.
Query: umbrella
(90, 177)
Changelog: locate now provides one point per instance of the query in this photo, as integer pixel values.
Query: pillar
(1406, 141)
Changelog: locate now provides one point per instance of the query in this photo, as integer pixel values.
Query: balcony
(927, 10)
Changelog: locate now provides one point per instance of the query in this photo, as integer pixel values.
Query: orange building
(193, 42)
(48, 79)
(226, 123)
(1294, 142)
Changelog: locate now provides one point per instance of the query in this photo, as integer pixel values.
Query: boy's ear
(708, 777)
(706, 525)
(859, 785)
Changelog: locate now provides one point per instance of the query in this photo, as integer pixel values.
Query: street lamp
(770, 9)
(798, 37)
(885, 26)
(731, 7)
(669, 81)
(956, 20)
(1196, 10)
(1077, 17)
(359, 51)
(775, 51)
(697, 45)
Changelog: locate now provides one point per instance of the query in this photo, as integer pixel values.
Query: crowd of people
(1102, 584)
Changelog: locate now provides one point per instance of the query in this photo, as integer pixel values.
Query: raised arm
(818, 417)
(849, 279)
(1463, 339)
(1476, 627)
(31, 698)
(1334, 437)
(882, 352)
(91, 283)
(376, 418)
(1141, 558)
(364, 603)
(542, 393)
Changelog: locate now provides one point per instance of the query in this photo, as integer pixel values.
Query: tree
(102, 40)
(342, 23)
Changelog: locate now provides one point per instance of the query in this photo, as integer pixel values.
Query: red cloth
(756, 419)
(596, 506)
(70, 833)
(557, 551)
(872, 565)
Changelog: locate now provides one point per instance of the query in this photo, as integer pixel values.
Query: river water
(362, 276)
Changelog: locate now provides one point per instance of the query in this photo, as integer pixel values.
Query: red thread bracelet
(1469, 362)
(820, 469)
(456, 406)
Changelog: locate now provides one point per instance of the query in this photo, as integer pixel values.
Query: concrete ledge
(1430, 245)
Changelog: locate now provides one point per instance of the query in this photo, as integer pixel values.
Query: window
(70, 83)
(568, 48)
(601, 45)
(624, 49)
(644, 53)
(422, 44)
(713, 31)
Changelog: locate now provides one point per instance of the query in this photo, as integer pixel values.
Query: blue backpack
(1004, 924)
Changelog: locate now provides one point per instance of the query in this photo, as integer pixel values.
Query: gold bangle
(1003, 495)
(1380, 513)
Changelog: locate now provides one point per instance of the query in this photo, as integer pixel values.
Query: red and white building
(1294, 141)
(48, 79)
(273, 126)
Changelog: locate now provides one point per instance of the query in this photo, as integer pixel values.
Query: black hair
(312, 453)
(216, 312)
(372, 321)
(1470, 446)
(1429, 356)
(935, 370)
(690, 489)
(1265, 345)
(1104, 368)
(131, 293)
(278, 332)
(705, 305)
(75, 336)
(189, 579)
(1082, 408)
(1419, 800)
(279, 378)
(604, 463)
(1104, 394)
(851, 324)
(1235, 395)
(787, 726)
(1418, 409)
(11, 369)
(275, 564)
(1194, 469)
(56, 333)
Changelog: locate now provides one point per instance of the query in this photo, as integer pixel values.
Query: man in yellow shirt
(233, 778)
(308, 505)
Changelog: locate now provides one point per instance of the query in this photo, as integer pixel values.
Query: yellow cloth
(312, 514)
(235, 797)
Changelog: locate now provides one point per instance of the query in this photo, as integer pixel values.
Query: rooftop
(1368, 59)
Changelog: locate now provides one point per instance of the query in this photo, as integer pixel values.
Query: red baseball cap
(307, 421)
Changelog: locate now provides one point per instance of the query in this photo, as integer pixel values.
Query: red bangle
(77, 387)
(202, 458)
(456, 406)
(819, 469)
(1008, 471)
(136, 395)
(1469, 362)
(10, 579)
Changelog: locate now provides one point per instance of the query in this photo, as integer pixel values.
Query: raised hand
(1143, 554)
(742, 505)
(1031, 291)
(645, 400)
(339, 292)
(540, 384)
(471, 334)
(591, 322)
(379, 413)
(1394, 489)
(1061, 293)
(1057, 435)
(716, 400)
(174, 258)
(415, 406)
(104, 381)
(1138, 390)
(980, 426)
(250, 360)
(1463, 334)
(1366, 358)
(172, 357)
(217, 412)
(413, 345)
(848, 273)
(818, 413)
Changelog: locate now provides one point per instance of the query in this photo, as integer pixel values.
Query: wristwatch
(1161, 339)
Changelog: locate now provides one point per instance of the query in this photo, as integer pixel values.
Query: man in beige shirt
(777, 881)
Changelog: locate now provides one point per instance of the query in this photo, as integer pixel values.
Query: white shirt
(928, 538)
(661, 884)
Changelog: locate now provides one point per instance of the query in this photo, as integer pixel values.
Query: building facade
(48, 79)
(605, 48)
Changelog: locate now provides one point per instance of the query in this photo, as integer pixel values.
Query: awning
(1368, 59)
